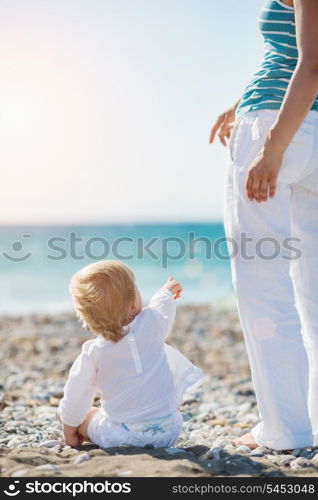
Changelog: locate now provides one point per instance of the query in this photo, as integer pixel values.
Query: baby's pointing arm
(164, 304)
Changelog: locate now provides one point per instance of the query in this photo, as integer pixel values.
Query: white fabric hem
(284, 441)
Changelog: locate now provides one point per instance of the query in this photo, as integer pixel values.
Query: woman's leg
(82, 430)
(304, 272)
(269, 319)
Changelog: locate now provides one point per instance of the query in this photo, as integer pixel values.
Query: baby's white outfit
(141, 379)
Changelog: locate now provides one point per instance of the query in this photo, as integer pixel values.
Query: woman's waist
(269, 114)
(271, 72)
(272, 113)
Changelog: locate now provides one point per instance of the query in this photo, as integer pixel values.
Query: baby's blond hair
(103, 294)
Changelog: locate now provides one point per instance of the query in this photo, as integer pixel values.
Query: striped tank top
(268, 85)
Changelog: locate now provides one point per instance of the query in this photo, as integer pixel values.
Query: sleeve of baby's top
(79, 388)
(164, 305)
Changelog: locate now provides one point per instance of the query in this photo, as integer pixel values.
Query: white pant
(277, 287)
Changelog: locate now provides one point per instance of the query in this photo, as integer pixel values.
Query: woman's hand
(262, 175)
(223, 124)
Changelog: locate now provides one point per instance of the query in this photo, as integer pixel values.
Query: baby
(141, 379)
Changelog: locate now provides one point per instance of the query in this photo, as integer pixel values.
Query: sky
(106, 107)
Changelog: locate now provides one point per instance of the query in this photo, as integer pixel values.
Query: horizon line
(112, 223)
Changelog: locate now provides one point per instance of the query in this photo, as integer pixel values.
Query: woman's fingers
(264, 189)
(222, 125)
(221, 137)
(256, 188)
(249, 186)
(262, 177)
(260, 188)
(225, 131)
(216, 127)
(267, 187)
(272, 186)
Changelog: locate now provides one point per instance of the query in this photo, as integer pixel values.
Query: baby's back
(133, 374)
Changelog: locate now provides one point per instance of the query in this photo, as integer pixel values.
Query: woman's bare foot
(246, 440)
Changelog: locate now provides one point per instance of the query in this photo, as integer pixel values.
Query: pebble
(83, 457)
(13, 442)
(315, 459)
(229, 447)
(243, 449)
(174, 451)
(58, 448)
(124, 473)
(281, 459)
(215, 453)
(300, 463)
(19, 473)
(305, 452)
(259, 452)
(286, 459)
(221, 441)
(244, 408)
(194, 435)
(49, 444)
(48, 467)
(6, 439)
(250, 418)
(296, 452)
(214, 433)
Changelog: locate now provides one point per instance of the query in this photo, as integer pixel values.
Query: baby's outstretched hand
(174, 287)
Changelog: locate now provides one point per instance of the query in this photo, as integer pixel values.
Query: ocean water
(36, 262)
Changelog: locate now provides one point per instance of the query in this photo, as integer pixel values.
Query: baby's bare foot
(246, 440)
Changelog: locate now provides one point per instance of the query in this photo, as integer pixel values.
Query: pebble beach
(36, 354)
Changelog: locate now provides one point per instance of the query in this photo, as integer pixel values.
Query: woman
(271, 221)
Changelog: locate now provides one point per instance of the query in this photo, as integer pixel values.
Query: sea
(37, 262)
